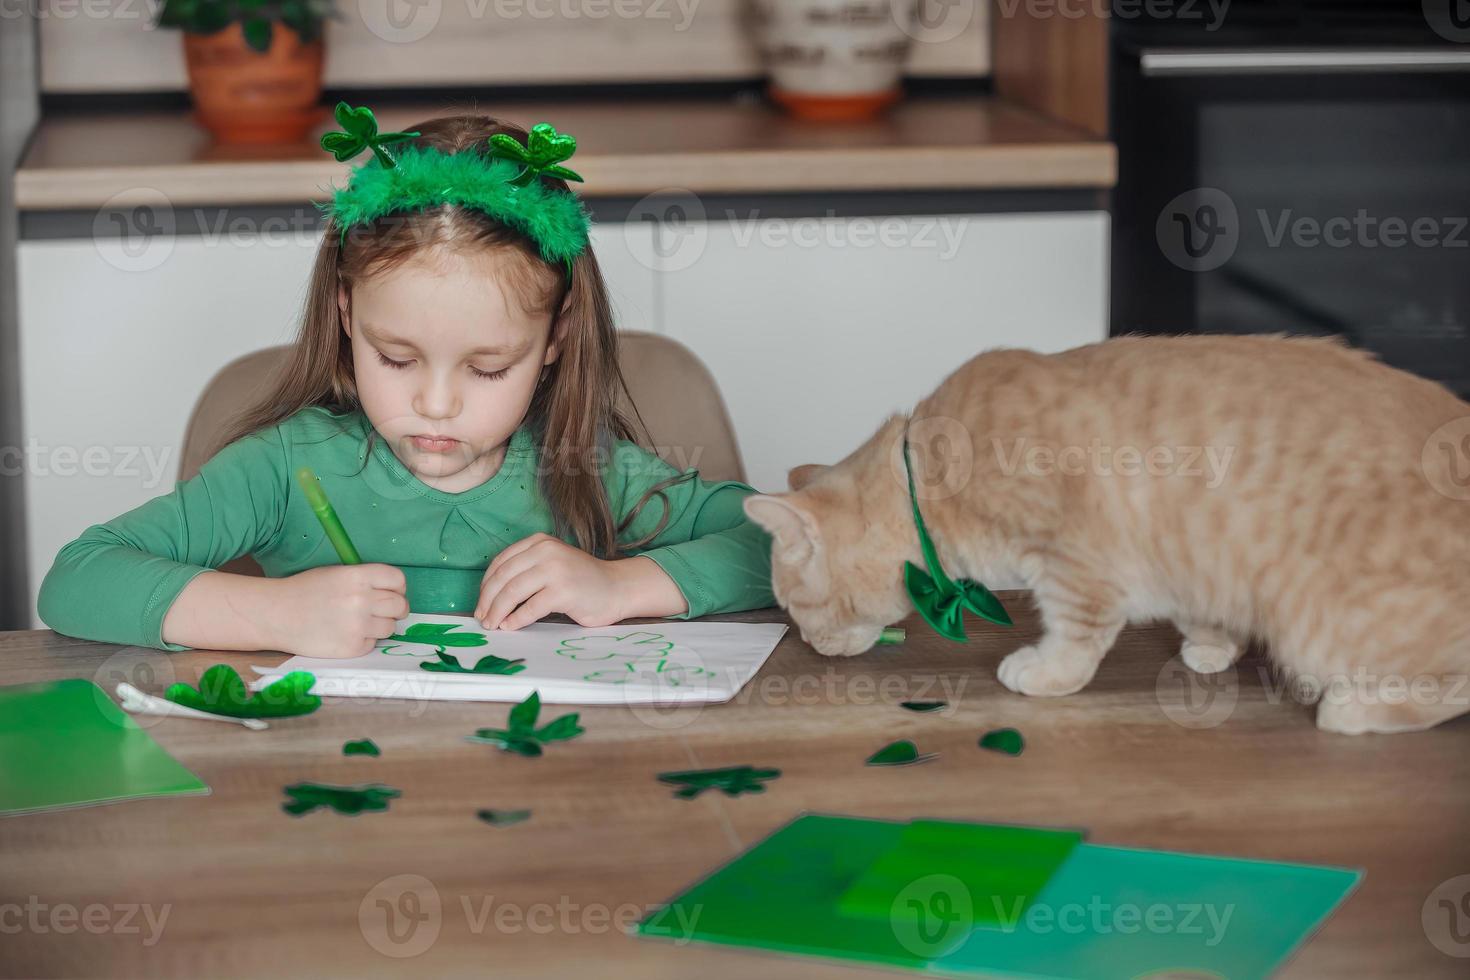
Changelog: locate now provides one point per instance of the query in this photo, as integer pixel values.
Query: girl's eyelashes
(400, 365)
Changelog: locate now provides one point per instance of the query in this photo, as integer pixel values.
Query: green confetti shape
(503, 818)
(1006, 740)
(923, 706)
(361, 746)
(902, 753)
(732, 781)
(347, 800)
(522, 737)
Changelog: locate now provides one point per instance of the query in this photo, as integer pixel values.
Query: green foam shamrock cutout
(522, 736)
(490, 664)
(503, 818)
(1006, 740)
(349, 800)
(540, 155)
(903, 753)
(732, 781)
(361, 746)
(440, 635)
(360, 132)
(940, 600)
(222, 692)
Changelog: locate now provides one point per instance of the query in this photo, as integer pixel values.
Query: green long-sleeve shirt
(116, 582)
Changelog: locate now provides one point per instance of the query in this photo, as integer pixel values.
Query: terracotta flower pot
(833, 60)
(247, 96)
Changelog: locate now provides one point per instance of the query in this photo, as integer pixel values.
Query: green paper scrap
(1001, 868)
(361, 746)
(503, 818)
(440, 635)
(732, 780)
(347, 800)
(892, 635)
(903, 753)
(489, 664)
(65, 743)
(522, 737)
(923, 705)
(222, 692)
(1006, 740)
(1227, 917)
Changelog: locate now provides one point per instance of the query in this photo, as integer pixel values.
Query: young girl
(454, 390)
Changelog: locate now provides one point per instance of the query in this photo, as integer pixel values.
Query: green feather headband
(500, 182)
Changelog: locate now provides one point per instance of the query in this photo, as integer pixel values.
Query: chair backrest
(674, 393)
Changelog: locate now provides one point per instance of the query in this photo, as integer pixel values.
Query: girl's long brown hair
(574, 411)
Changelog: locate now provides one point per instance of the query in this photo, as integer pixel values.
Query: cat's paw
(1048, 674)
(1351, 717)
(1208, 658)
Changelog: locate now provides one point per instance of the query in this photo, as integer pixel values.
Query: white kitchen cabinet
(818, 328)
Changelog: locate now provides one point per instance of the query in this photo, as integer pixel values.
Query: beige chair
(673, 390)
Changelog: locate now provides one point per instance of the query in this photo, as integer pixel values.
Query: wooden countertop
(251, 891)
(631, 148)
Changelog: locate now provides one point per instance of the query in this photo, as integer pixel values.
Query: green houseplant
(255, 66)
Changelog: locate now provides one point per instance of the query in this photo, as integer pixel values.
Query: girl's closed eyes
(386, 361)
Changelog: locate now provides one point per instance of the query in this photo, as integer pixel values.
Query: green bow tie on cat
(940, 600)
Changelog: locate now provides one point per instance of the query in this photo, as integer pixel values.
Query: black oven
(1301, 168)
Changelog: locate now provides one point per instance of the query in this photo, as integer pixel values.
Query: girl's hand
(339, 610)
(542, 574)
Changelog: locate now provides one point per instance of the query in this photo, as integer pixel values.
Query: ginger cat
(1290, 490)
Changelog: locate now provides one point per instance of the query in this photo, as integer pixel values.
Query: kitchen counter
(968, 142)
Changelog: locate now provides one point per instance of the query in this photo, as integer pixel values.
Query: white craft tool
(139, 703)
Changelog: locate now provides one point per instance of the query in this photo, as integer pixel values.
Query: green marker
(891, 635)
(331, 523)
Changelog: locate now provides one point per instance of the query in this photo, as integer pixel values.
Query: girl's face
(446, 363)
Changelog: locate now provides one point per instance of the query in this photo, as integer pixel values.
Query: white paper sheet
(645, 663)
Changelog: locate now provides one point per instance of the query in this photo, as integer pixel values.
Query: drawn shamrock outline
(634, 661)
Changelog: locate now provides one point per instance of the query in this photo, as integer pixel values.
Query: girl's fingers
(511, 551)
(493, 584)
(515, 592)
(540, 604)
(382, 626)
(392, 604)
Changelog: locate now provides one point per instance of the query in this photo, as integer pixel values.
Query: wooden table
(1137, 759)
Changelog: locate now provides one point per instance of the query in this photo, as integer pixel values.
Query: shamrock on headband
(360, 132)
(543, 150)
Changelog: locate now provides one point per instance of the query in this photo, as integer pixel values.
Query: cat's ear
(793, 528)
(802, 475)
